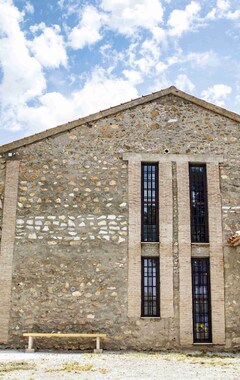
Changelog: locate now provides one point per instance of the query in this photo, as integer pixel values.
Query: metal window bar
(202, 327)
(150, 287)
(198, 203)
(150, 208)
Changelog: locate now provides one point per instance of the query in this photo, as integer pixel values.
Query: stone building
(125, 222)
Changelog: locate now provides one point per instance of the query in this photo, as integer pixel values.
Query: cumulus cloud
(181, 21)
(99, 92)
(23, 78)
(29, 8)
(126, 16)
(87, 32)
(196, 59)
(223, 4)
(133, 76)
(49, 47)
(145, 57)
(161, 67)
(217, 94)
(203, 59)
(223, 9)
(183, 83)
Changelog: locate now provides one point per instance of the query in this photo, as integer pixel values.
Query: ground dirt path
(118, 366)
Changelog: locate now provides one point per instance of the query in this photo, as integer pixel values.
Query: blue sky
(63, 59)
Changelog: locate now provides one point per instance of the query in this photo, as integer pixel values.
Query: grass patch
(76, 367)
(15, 366)
(201, 358)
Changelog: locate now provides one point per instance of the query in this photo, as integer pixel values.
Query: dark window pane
(201, 301)
(198, 203)
(150, 202)
(150, 287)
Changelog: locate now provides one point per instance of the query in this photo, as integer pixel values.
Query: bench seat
(31, 337)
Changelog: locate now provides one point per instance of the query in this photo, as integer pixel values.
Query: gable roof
(113, 110)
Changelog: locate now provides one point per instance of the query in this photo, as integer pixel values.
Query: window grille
(150, 287)
(202, 330)
(198, 203)
(150, 202)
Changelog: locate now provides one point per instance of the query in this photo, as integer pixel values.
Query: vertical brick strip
(184, 238)
(166, 239)
(134, 245)
(216, 254)
(7, 245)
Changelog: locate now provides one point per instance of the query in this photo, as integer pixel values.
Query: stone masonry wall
(71, 256)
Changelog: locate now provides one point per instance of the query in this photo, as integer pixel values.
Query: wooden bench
(31, 336)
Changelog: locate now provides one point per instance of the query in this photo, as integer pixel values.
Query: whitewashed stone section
(67, 227)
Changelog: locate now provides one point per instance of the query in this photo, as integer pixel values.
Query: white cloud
(87, 32)
(217, 94)
(29, 8)
(223, 4)
(233, 15)
(136, 48)
(184, 83)
(159, 34)
(204, 59)
(48, 48)
(201, 60)
(133, 76)
(102, 91)
(223, 9)
(182, 20)
(145, 57)
(145, 64)
(150, 48)
(162, 81)
(161, 67)
(23, 78)
(99, 92)
(127, 16)
(123, 16)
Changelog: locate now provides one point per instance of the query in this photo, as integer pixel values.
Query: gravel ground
(17, 365)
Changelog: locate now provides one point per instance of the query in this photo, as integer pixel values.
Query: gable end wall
(71, 250)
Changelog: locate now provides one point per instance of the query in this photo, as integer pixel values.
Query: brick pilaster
(184, 238)
(166, 239)
(7, 245)
(134, 245)
(216, 254)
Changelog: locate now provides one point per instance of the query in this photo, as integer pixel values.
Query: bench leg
(30, 345)
(97, 350)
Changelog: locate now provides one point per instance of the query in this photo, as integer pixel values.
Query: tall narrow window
(150, 287)
(202, 331)
(198, 203)
(150, 202)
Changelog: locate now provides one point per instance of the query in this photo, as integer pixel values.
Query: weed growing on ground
(76, 367)
(15, 366)
(202, 358)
